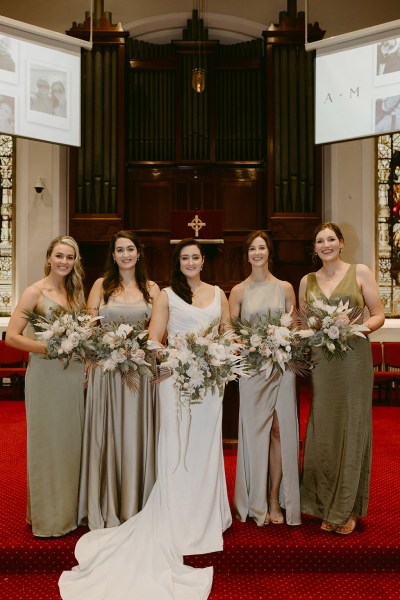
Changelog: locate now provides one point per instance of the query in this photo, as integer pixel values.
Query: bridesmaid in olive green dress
(337, 454)
(119, 456)
(267, 472)
(54, 397)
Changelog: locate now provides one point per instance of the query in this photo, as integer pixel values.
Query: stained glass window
(389, 222)
(6, 224)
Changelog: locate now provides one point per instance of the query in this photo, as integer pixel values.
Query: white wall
(350, 197)
(39, 217)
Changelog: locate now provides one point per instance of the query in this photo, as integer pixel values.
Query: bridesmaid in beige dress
(119, 457)
(54, 397)
(267, 472)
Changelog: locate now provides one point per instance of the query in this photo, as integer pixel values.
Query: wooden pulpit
(206, 226)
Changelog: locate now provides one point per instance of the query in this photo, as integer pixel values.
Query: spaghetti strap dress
(118, 459)
(187, 510)
(54, 399)
(259, 398)
(337, 454)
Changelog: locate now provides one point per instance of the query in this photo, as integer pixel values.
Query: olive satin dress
(119, 444)
(259, 398)
(54, 399)
(337, 454)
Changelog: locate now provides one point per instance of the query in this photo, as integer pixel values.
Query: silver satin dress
(259, 398)
(119, 443)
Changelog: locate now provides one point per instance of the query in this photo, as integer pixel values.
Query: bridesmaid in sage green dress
(267, 472)
(54, 397)
(337, 454)
(119, 448)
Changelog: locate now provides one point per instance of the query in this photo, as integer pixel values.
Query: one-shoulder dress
(54, 399)
(259, 398)
(187, 510)
(118, 459)
(337, 453)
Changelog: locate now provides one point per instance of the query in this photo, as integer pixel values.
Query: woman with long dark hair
(118, 460)
(54, 396)
(188, 508)
(337, 453)
(267, 472)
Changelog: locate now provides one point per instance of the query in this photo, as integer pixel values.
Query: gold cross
(196, 224)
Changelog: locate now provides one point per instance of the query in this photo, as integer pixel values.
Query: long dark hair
(268, 242)
(335, 228)
(179, 282)
(73, 281)
(112, 278)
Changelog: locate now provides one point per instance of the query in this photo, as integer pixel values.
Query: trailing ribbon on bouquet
(198, 363)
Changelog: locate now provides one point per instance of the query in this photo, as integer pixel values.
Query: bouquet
(331, 326)
(122, 348)
(67, 334)
(198, 363)
(271, 343)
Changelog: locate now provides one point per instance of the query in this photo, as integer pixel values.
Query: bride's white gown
(187, 510)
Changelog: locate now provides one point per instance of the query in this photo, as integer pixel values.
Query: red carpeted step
(253, 559)
(232, 586)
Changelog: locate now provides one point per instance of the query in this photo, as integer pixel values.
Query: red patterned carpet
(257, 563)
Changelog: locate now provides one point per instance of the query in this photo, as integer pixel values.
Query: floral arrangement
(67, 334)
(199, 362)
(122, 348)
(331, 326)
(272, 343)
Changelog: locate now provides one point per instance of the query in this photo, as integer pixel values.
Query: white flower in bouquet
(123, 330)
(270, 343)
(331, 326)
(67, 334)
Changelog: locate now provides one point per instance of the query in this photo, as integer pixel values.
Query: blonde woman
(54, 396)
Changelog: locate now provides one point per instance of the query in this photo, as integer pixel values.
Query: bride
(188, 508)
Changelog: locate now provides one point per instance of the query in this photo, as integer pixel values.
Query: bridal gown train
(187, 510)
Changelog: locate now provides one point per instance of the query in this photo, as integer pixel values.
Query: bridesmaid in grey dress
(118, 459)
(267, 472)
(54, 397)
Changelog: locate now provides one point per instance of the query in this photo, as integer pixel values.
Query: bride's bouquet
(271, 343)
(122, 348)
(331, 326)
(66, 334)
(200, 362)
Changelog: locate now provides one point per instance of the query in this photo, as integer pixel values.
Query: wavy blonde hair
(74, 279)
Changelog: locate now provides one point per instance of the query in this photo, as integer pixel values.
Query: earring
(138, 259)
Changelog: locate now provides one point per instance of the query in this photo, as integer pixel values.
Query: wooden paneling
(153, 193)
